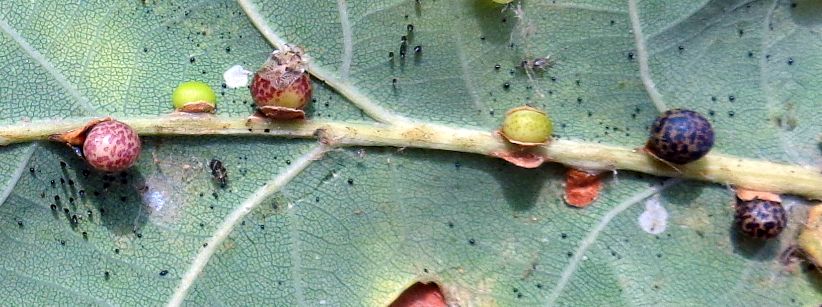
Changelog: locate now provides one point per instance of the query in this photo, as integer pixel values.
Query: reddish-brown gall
(111, 146)
(281, 88)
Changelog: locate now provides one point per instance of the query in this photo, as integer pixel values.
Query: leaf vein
(356, 97)
(236, 217)
(40, 59)
(642, 58)
(589, 239)
(18, 172)
(348, 48)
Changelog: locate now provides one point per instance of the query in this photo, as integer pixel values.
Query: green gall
(526, 126)
(194, 97)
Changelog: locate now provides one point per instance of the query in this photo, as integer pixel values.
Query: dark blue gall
(761, 219)
(680, 136)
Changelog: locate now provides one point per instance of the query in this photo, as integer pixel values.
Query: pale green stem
(715, 167)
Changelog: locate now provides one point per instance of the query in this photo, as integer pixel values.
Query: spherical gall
(281, 88)
(526, 126)
(503, 1)
(111, 146)
(680, 136)
(761, 219)
(194, 96)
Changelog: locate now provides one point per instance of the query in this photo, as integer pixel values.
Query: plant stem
(749, 173)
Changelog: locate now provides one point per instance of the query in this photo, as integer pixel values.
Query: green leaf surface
(359, 225)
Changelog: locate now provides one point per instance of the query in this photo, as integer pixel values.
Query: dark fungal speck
(410, 28)
(472, 241)
(496, 67)
(506, 85)
(790, 61)
(731, 98)
(350, 181)
(418, 49)
(163, 272)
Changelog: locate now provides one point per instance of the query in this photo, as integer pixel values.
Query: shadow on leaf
(521, 186)
(753, 249)
(115, 195)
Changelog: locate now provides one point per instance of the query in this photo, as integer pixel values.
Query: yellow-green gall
(194, 96)
(526, 126)
(503, 1)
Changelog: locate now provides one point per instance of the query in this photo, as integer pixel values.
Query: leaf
(359, 225)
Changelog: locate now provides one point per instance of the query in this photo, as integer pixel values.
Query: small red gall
(421, 295)
(281, 88)
(581, 187)
(111, 146)
(747, 195)
(520, 158)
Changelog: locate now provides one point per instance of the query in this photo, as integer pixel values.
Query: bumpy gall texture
(266, 92)
(281, 88)
(680, 136)
(111, 146)
(761, 219)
